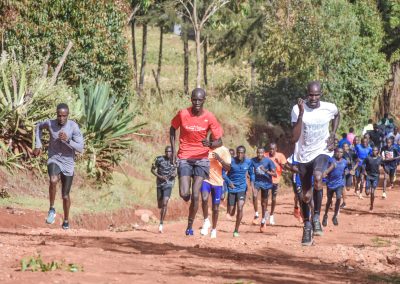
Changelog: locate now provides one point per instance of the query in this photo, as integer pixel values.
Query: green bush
(94, 26)
(106, 125)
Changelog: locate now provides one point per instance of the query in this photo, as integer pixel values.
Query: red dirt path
(363, 244)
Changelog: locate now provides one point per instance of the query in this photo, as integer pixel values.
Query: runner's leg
(66, 183)
(239, 215)
(194, 204)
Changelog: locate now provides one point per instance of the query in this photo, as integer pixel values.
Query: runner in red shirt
(194, 124)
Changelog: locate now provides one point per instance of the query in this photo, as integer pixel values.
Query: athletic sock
(337, 206)
(263, 221)
(256, 214)
(190, 223)
(318, 195)
(305, 208)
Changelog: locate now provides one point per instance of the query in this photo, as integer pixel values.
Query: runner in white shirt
(311, 119)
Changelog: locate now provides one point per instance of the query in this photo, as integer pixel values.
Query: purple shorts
(216, 191)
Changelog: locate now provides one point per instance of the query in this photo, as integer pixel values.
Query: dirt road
(363, 248)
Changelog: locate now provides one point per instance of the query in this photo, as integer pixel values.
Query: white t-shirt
(314, 131)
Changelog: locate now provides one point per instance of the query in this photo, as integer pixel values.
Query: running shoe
(307, 239)
(205, 227)
(384, 195)
(343, 205)
(213, 233)
(297, 214)
(325, 220)
(255, 220)
(160, 228)
(65, 225)
(262, 227)
(51, 217)
(317, 228)
(335, 221)
(360, 196)
(235, 234)
(189, 232)
(271, 220)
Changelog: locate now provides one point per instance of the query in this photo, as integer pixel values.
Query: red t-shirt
(193, 129)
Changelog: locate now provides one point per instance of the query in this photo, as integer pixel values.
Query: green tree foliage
(94, 26)
(333, 41)
(390, 10)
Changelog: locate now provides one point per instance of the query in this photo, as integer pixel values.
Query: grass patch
(36, 263)
(380, 242)
(385, 278)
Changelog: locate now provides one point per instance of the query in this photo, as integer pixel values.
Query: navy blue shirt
(335, 178)
(237, 175)
(262, 180)
(390, 153)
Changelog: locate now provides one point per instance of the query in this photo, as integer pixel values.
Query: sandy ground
(364, 248)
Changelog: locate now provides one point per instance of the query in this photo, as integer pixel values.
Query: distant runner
(292, 165)
(335, 182)
(237, 185)
(371, 166)
(311, 119)
(65, 140)
(390, 157)
(351, 157)
(279, 160)
(263, 170)
(362, 150)
(193, 164)
(164, 170)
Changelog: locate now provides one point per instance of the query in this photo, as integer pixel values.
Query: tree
(192, 10)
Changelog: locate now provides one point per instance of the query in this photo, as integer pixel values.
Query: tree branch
(61, 63)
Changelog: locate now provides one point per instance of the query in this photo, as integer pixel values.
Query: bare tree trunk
(186, 60)
(134, 54)
(61, 63)
(198, 58)
(205, 61)
(395, 89)
(160, 53)
(143, 64)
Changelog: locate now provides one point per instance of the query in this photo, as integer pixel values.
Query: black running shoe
(65, 225)
(335, 221)
(343, 205)
(307, 239)
(325, 221)
(317, 228)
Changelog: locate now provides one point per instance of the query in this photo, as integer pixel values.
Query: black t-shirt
(371, 165)
(389, 153)
(350, 157)
(164, 168)
(375, 136)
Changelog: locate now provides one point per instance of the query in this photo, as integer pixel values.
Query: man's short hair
(62, 106)
(198, 91)
(351, 129)
(240, 147)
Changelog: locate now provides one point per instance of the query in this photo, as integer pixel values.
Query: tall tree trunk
(186, 60)
(198, 58)
(134, 54)
(143, 64)
(160, 53)
(205, 61)
(395, 89)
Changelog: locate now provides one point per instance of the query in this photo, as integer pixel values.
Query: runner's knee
(53, 180)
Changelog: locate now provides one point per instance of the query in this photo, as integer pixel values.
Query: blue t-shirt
(362, 152)
(237, 175)
(335, 178)
(343, 141)
(262, 180)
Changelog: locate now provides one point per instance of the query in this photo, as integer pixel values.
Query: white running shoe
(384, 195)
(213, 233)
(160, 228)
(271, 220)
(205, 227)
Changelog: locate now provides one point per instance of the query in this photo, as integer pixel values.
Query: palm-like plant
(106, 124)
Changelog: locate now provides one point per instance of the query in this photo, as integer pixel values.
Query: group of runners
(205, 167)
(319, 160)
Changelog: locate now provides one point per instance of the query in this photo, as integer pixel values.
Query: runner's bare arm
(172, 137)
(296, 131)
(328, 170)
(224, 164)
